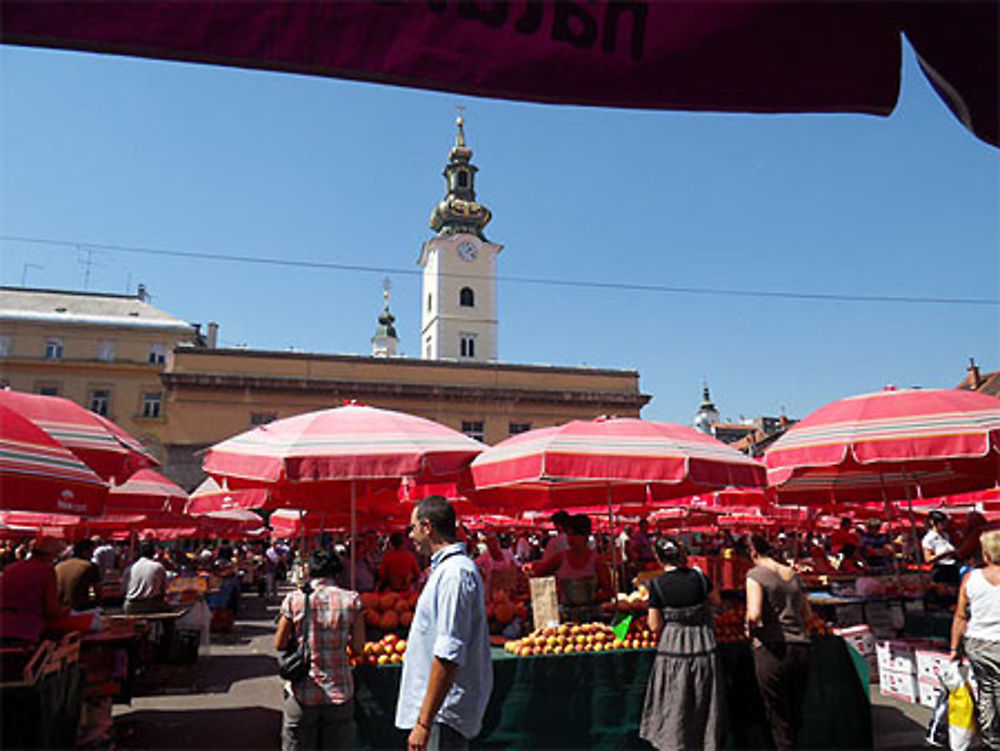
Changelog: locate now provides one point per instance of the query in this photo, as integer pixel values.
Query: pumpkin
(390, 620)
(504, 612)
(369, 600)
(402, 605)
(387, 601)
(372, 618)
(406, 618)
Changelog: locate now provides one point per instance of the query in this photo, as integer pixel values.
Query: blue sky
(102, 152)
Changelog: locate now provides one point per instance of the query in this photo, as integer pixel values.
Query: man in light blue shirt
(447, 672)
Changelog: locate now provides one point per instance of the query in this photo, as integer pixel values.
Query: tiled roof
(989, 383)
(60, 306)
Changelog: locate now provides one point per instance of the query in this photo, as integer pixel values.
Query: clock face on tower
(467, 251)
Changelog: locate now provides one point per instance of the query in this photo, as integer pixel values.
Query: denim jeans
(326, 726)
(445, 738)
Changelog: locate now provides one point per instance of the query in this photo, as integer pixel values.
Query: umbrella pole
(614, 555)
(913, 522)
(354, 536)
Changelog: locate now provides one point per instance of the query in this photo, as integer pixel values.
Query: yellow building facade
(105, 352)
(213, 394)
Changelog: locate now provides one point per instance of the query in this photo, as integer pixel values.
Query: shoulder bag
(293, 662)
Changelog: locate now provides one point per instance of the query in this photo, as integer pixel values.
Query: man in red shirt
(844, 540)
(399, 569)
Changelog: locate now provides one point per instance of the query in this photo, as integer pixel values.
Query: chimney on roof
(975, 380)
(213, 334)
(141, 293)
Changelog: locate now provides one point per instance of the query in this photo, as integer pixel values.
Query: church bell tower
(459, 302)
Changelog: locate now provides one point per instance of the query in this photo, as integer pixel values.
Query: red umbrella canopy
(315, 457)
(96, 441)
(620, 460)
(889, 445)
(147, 491)
(211, 497)
(39, 474)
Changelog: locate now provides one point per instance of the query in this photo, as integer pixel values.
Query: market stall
(594, 700)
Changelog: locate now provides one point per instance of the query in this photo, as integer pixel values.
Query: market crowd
(447, 674)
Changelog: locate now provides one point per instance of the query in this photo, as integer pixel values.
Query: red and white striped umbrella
(889, 445)
(211, 497)
(616, 460)
(37, 473)
(313, 460)
(146, 492)
(100, 444)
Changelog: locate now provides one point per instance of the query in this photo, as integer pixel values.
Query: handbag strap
(306, 591)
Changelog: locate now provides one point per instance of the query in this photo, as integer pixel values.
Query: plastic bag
(961, 707)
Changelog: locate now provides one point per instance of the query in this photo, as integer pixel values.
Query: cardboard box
(900, 654)
(928, 692)
(899, 685)
(859, 637)
(930, 662)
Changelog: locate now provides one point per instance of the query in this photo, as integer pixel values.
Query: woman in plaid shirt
(319, 710)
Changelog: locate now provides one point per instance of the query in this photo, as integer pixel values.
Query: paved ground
(231, 699)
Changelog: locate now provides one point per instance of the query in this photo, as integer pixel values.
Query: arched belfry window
(467, 298)
(463, 179)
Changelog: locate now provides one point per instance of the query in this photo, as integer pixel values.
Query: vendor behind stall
(582, 577)
(145, 583)
(938, 550)
(79, 579)
(499, 567)
(876, 548)
(29, 594)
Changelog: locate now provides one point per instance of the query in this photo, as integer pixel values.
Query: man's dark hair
(396, 539)
(440, 514)
(147, 549)
(560, 518)
(325, 564)
(83, 548)
(579, 524)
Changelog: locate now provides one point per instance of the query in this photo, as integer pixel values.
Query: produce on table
(730, 625)
(389, 611)
(388, 650)
(580, 637)
(503, 607)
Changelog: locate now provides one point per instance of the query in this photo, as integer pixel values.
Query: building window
(262, 418)
(427, 348)
(157, 354)
(54, 348)
(467, 345)
(474, 429)
(106, 351)
(48, 390)
(152, 404)
(100, 401)
(463, 179)
(518, 427)
(467, 298)
(429, 296)
(4, 346)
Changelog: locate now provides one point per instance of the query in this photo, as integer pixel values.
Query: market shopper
(684, 709)
(499, 567)
(318, 712)
(145, 583)
(777, 611)
(79, 579)
(876, 547)
(29, 594)
(975, 632)
(447, 671)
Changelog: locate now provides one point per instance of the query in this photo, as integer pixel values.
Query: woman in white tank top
(975, 631)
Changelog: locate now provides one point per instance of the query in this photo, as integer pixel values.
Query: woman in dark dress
(685, 699)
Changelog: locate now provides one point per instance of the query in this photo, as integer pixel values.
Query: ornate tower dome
(385, 341)
(707, 415)
(459, 211)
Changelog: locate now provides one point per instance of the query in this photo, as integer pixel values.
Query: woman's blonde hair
(990, 542)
